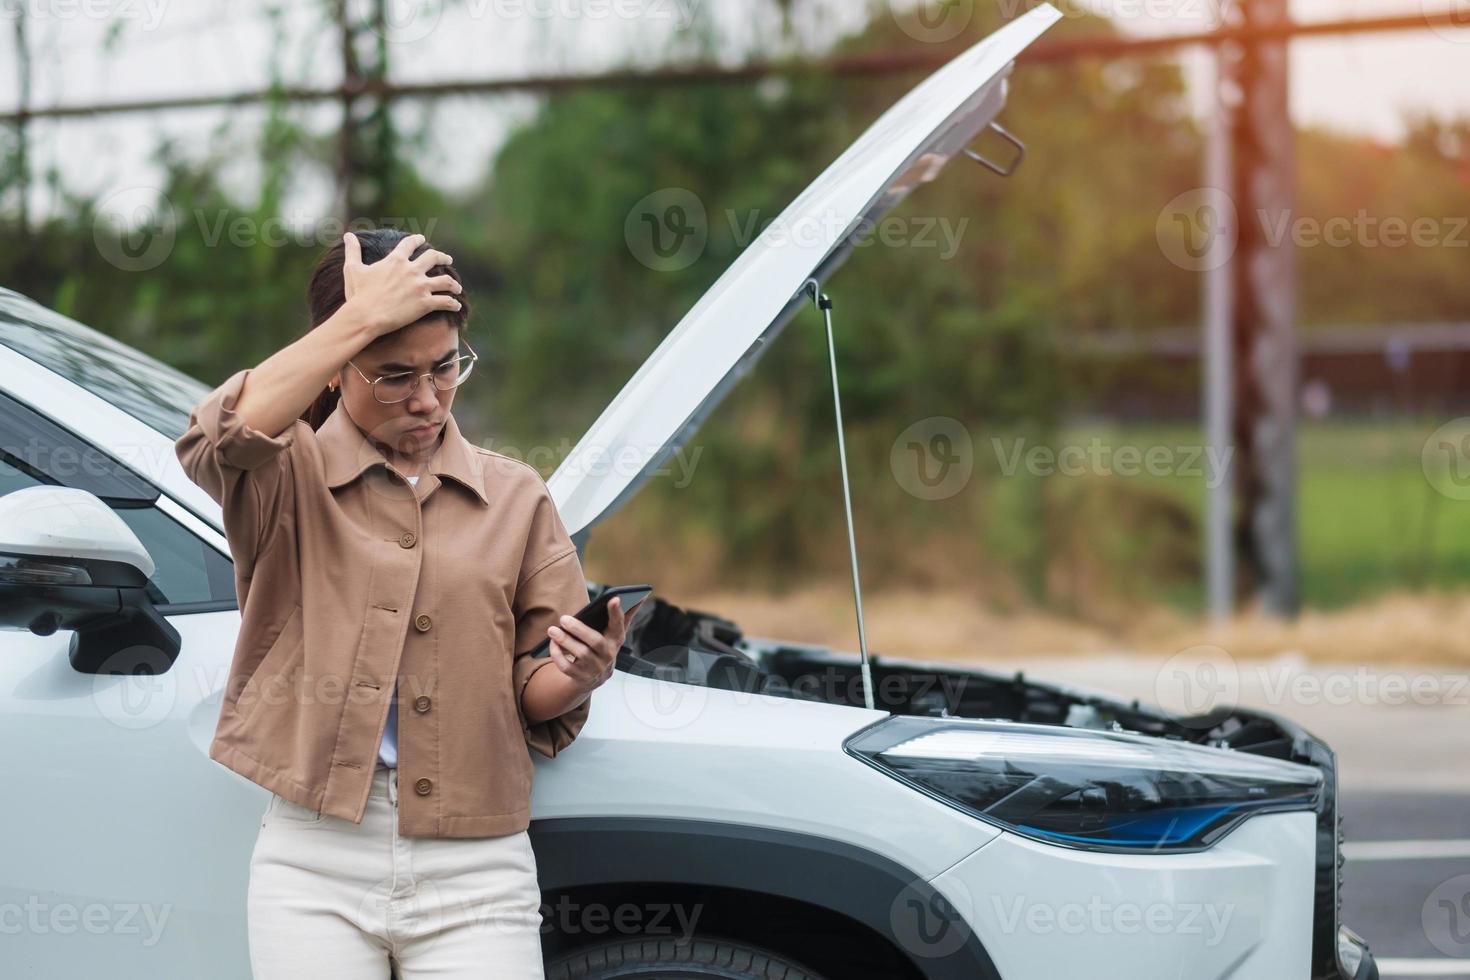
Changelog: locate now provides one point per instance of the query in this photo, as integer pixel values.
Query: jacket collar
(347, 453)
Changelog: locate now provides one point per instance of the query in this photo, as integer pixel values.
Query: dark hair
(326, 293)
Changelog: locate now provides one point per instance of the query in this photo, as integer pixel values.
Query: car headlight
(1089, 789)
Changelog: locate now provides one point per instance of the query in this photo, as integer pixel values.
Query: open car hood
(717, 342)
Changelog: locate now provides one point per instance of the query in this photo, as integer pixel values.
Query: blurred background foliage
(991, 335)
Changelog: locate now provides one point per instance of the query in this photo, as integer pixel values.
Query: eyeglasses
(393, 388)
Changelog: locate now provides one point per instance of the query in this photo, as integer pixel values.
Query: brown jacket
(348, 578)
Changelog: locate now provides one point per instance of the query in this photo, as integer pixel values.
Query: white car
(734, 806)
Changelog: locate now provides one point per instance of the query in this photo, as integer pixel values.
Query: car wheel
(698, 958)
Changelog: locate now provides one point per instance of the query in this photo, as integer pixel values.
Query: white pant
(331, 899)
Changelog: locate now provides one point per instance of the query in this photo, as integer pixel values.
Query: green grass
(1369, 521)
(1091, 545)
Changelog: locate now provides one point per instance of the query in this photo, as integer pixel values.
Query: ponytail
(326, 402)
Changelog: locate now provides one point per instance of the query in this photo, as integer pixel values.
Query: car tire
(699, 958)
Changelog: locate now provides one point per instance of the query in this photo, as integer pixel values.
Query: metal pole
(824, 303)
(1264, 319)
(22, 129)
(347, 162)
(366, 141)
(1215, 345)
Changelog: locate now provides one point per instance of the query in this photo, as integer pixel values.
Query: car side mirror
(68, 562)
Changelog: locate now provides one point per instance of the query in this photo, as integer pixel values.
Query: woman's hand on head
(585, 655)
(396, 290)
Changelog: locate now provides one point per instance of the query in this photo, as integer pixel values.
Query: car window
(147, 389)
(188, 571)
(13, 478)
(190, 576)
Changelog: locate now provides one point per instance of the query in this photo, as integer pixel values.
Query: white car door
(124, 850)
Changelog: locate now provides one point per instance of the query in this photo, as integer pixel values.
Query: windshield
(148, 390)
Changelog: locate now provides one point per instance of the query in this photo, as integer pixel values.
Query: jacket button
(423, 622)
(406, 539)
(423, 786)
(421, 703)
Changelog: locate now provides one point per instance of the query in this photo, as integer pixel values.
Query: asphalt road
(1406, 887)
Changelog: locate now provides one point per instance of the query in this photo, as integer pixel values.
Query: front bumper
(1262, 904)
(1334, 949)
(1337, 953)
(1240, 910)
(1354, 958)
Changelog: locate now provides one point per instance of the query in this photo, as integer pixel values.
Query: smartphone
(594, 614)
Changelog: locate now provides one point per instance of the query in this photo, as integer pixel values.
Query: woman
(392, 578)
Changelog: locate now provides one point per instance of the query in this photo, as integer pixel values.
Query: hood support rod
(824, 303)
(1009, 137)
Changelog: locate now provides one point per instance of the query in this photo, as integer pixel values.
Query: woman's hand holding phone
(585, 655)
(396, 290)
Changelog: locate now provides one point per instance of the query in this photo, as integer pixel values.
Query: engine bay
(701, 648)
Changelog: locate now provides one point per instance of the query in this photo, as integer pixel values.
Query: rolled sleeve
(554, 586)
(242, 469)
